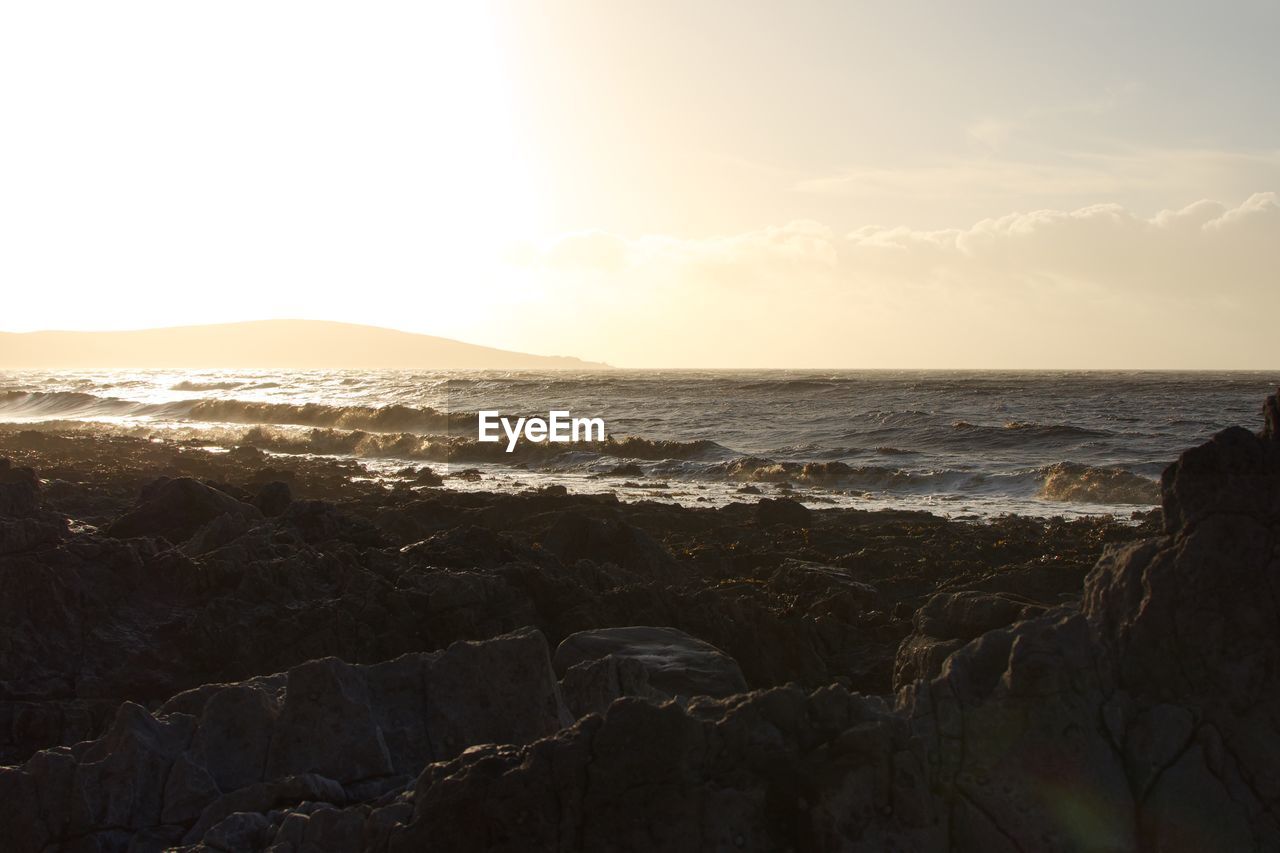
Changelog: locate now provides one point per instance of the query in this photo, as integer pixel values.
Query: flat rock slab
(678, 664)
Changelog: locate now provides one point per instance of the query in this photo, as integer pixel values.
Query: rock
(803, 577)
(1142, 718)
(222, 531)
(770, 511)
(426, 477)
(576, 536)
(516, 687)
(677, 664)
(763, 771)
(19, 490)
(238, 831)
(23, 524)
(591, 687)
(264, 797)
(330, 697)
(273, 498)
(1235, 471)
(967, 615)
(318, 522)
(25, 534)
(176, 509)
(218, 757)
(949, 620)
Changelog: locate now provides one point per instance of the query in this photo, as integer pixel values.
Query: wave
(456, 448)
(63, 404)
(840, 475)
(787, 385)
(185, 385)
(1076, 483)
(392, 418)
(1066, 482)
(1017, 433)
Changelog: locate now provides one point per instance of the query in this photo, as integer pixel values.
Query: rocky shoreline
(235, 651)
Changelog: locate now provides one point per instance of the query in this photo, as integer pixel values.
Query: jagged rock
(575, 536)
(786, 511)
(824, 590)
(19, 490)
(318, 522)
(949, 620)
(677, 664)
(763, 771)
(263, 797)
(1154, 706)
(176, 509)
(273, 498)
(968, 615)
(468, 547)
(1142, 719)
(220, 751)
(23, 525)
(238, 831)
(223, 530)
(591, 687)
(24, 534)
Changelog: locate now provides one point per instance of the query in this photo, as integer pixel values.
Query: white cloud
(1068, 174)
(1097, 286)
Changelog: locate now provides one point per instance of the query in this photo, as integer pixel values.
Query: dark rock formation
(208, 763)
(1144, 718)
(155, 648)
(947, 622)
(273, 498)
(176, 509)
(591, 686)
(771, 511)
(675, 663)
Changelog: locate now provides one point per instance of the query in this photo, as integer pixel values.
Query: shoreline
(205, 652)
(791, 568)
(640, 469)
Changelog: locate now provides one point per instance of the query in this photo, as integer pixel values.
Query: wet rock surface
(245, 666)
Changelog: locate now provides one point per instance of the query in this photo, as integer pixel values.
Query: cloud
(1203, 249)
(1194, 286)
(1069, 174)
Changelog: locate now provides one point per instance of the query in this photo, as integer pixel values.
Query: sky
(658, 184)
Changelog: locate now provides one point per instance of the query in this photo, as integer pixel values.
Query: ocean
(961, 444)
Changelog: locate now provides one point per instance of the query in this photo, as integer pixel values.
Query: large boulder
(592, 686)
(676, 663)
(324, 731)
(784, 511)
(176, 508)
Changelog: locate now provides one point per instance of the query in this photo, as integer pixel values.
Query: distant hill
(264, 343)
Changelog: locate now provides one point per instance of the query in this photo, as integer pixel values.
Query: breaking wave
(205, 386)
(973, 441)
(1076, 483)
(393, 418)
